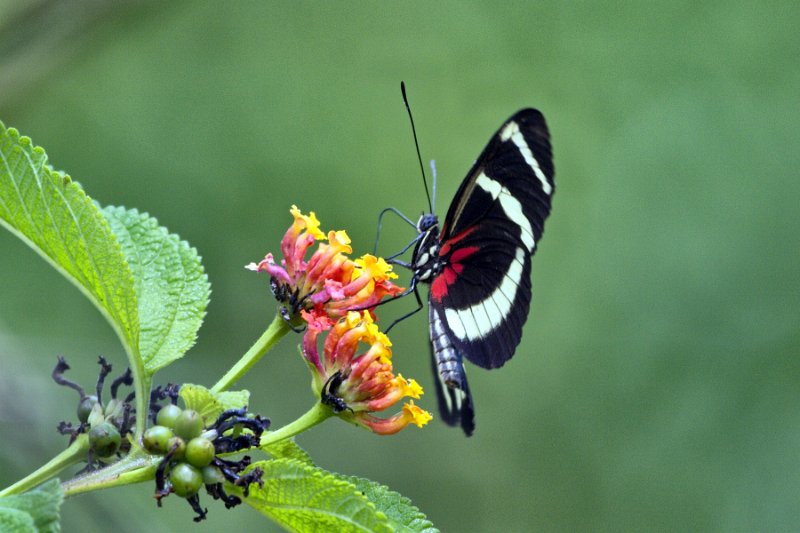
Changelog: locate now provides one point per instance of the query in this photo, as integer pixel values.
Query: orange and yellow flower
(330, 283)
(357, 383)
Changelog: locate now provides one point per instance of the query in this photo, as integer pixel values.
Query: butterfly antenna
(416, 144)
(433, 173)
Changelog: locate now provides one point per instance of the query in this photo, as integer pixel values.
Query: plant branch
(75, 453)
(317, 414)
(135, 468)
(273, 334)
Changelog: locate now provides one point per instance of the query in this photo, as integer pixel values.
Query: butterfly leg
(413, 288)
(391, 259)
(380, 221)
(409, 290)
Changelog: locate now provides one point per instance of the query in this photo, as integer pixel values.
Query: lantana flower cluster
(335, 297)
(329, 283)
(356, 383)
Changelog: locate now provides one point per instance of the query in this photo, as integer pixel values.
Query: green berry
(188, 424)
(104, 439)
(186, 480)
(156, 439)
(212, 475)
(178, 447)
(200, 452)
(168, 414)
(115, 412)
(85, 407)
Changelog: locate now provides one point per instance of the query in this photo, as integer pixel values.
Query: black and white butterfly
(478, 263)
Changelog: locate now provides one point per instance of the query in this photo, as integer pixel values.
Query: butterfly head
(426, 222)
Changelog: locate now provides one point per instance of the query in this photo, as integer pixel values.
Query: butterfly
(478, 263)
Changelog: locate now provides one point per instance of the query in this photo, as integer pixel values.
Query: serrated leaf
(41, 505)
(402, 514)
(301, 497)
(211, 404)
(14, 521)
(54, 216)
(171, 286)
(233, 399)
(288, 449)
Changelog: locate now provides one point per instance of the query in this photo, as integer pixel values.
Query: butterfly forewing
(489, 235)
(504, 161)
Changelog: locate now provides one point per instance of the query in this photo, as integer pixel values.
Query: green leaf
(288, 449)
(14, 521)
(233, 399)
(402, 514)
(301, 497)
(37, 510)
(52, 214)
(171, 286)
(210, 404)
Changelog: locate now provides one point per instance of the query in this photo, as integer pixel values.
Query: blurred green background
(658, 382)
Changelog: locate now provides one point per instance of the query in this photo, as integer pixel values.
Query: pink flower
(356, 383)
(330, 283)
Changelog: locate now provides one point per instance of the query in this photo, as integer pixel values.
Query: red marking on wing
(454, 240)
(449, 274)
(462, 253)
(442, 283)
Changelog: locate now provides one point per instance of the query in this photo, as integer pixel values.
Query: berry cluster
(192, 452)
(106, 423)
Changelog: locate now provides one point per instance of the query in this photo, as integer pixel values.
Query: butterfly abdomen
(455, 401)
(448, 361)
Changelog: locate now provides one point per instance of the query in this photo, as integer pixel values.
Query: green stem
(275, 331)
(142, 402)
(318, 413)
(135, 468)
(73, 454)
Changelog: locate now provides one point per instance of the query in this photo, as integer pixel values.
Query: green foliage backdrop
(657, 385)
